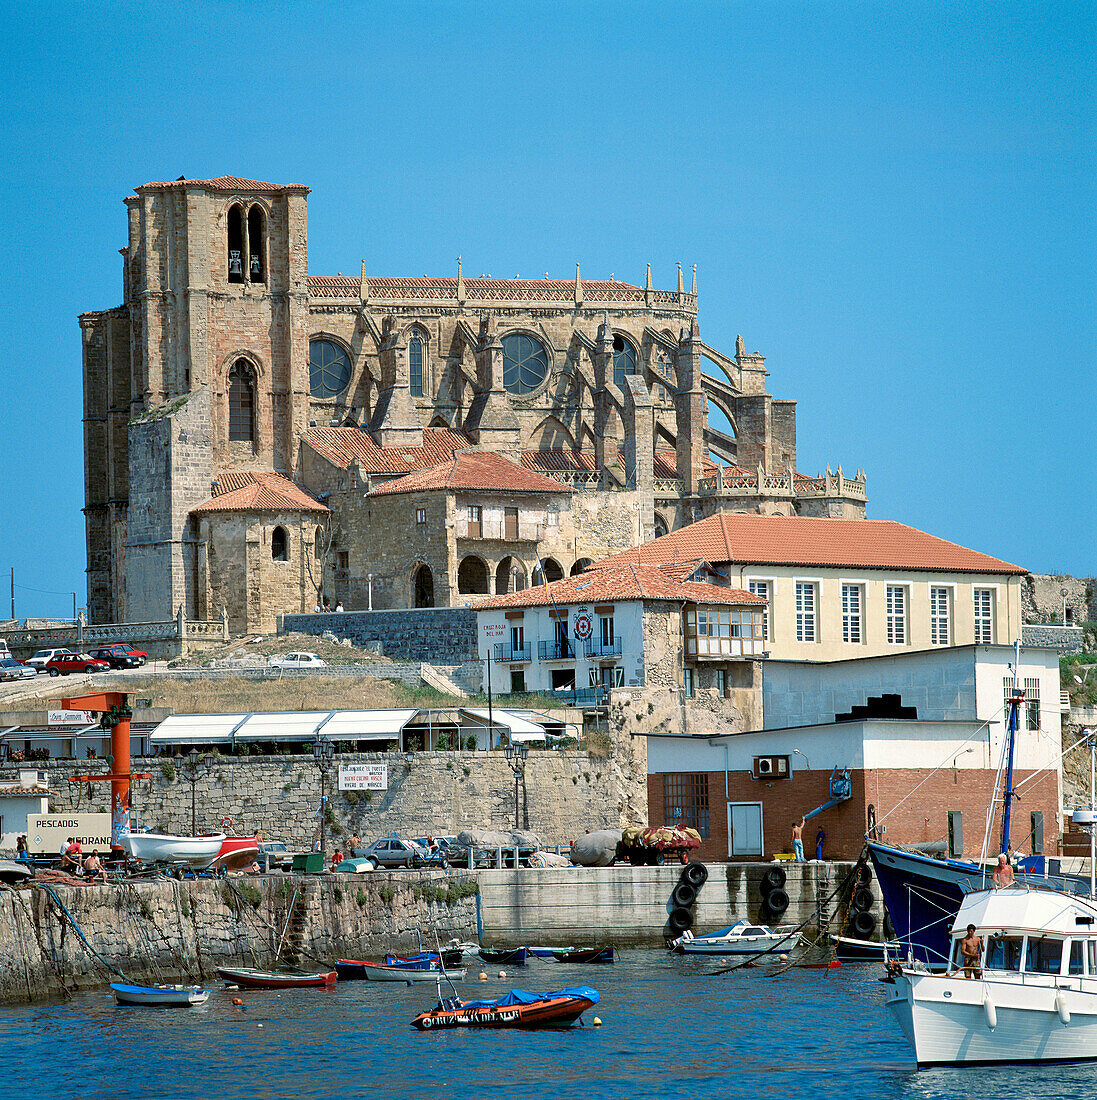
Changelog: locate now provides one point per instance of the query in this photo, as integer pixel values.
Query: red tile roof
(249, 491)
(798, 540)
(222, 183)
(342, 445)
(473, 470)
(624, 581)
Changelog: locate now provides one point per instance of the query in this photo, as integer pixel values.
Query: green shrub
(361, 898)
(337, 893)
(351, 798)
(386, 894)
(470, 742)
(251, 894)
(167, 770)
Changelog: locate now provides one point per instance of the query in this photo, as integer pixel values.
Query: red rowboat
(252, 978)
(237, 852)
(517, 1008)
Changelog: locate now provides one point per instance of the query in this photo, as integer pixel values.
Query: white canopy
(299, 726)
(518, 726)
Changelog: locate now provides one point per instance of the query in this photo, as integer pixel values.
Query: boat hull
(377, 973)
(552, 1012)
(198, 852)
(159, 996)
(584, 955)
(947, 1021)
(516, 957)
(275, 979)
(853, 950)
(738, 945)
(237, 852)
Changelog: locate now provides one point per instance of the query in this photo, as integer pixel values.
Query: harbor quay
(57, 939)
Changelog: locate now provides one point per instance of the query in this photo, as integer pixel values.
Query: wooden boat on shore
(252, 978)
(192, 851)
(584, 955)
(518, 1009)
(515, 956)
(159, 996)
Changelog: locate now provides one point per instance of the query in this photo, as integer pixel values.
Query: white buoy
(502, 973)
(1061, 1008)
(258, 1025)
(596, 1022)
(990, 1012)
(783, 958)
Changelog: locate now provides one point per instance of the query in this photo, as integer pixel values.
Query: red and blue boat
(516, 1009)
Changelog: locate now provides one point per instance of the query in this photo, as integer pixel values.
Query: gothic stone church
(258, 438)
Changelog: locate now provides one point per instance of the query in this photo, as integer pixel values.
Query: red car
(61, 664)
(120, 655)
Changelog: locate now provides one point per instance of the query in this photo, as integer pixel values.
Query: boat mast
(1092, 831)
(1014, 706)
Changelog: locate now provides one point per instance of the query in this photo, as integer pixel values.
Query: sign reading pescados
(45, 832)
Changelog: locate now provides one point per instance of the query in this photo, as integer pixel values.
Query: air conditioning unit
(764, 766)
(771, 767)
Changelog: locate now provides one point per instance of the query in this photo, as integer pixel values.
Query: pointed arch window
(624, 360)
(236, 244)
(241, 403)
(415, 365)
(257, 225)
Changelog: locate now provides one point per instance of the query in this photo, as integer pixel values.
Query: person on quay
(820, 836)
(1003, 873)
(93, 867)
(798, 839)
(71, 858)
(21, 852)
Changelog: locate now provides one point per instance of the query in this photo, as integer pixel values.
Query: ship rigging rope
(76, 928)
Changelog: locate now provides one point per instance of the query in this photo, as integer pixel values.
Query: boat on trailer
(251, 977)
(159, 996)
(516, 1009)
(197, 852)
(741, 938)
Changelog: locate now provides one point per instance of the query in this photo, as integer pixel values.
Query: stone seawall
(171, 931)
(561, 794)
(441, 635)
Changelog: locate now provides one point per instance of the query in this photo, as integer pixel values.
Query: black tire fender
(862, 900)
(777, 901)
(680, 920)
(863, 924)
(773, 879)
(684, 895)
(696, 874)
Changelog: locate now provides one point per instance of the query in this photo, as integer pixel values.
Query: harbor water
(671, 1027)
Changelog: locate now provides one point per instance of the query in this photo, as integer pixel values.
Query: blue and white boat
(159, 996)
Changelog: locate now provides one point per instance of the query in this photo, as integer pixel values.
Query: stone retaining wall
(441, 635)
(1066, 639)
(561, 794)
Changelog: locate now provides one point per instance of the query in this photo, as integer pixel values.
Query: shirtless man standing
(798, 840)
(971, 951)
(1003, 873)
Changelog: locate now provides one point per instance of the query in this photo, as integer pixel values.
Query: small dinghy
(853, 950)
(584, 955)
(545, 952)
(252, 978)
(159, 996)
(518, 1008)
(379, 972)
(513, 957)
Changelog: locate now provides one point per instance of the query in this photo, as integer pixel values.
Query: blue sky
(894, 204)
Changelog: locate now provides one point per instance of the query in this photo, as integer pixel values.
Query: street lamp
(1064, 593)
(514, 578)
(190, 774)
(369, 577)
(322, 752)
(516, 757)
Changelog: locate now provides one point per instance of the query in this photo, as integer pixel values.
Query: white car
(38, 661)
(297, 660)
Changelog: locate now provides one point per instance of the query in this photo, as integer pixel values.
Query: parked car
(274, 856)
(297, 660)
(392, 851)
(11, 669)
(39, 659)
(61, 664)
(121, 655)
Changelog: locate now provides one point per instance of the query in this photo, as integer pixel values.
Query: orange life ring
(226, 823)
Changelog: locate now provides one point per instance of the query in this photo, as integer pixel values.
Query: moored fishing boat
(159, 996)
(853, 950)
(515, 956)
(584, 955)
(193, 851)
(516, 1009)
(254, 978)
(378, 972)
(350, 969)
(740, 938)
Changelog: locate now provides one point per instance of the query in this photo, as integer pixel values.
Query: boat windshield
(1004, 952)
(1044, 956)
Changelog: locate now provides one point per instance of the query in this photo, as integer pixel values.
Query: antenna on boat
(1015, 698)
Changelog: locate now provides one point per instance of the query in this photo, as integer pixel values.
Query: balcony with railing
(599, 647)
(559, 649)
(504, 651)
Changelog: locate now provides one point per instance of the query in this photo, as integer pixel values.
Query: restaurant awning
(295, 726)
(518, 726)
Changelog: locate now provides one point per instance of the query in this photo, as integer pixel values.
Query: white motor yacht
(742, 938)
(1033, 997)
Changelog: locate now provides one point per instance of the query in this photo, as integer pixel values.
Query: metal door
(744, 829)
